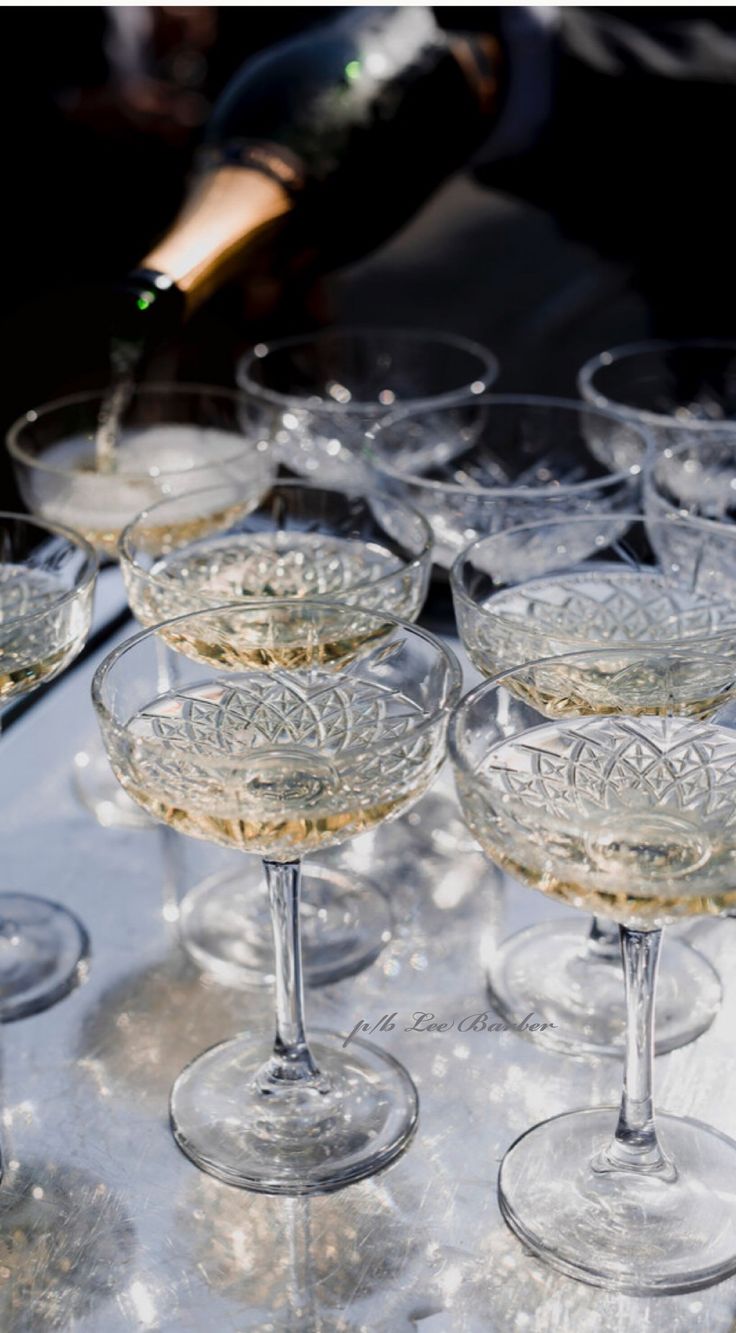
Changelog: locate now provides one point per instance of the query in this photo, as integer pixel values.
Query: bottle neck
(231, 211)
(147, 307)
(356, 126)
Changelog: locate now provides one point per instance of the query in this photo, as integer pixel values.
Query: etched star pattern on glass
(298, 541)
(226, 756)
(585, 803)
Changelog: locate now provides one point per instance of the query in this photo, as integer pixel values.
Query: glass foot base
(225, 925)
(545, 970)
(298, 1140)
(98, 790)
(43, 949)
(643, 1235)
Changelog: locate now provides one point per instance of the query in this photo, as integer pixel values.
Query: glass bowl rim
(594, 398)
(34, 414)
(493, 683)
(460, 594)
(605, 481)
(85, 576)
(487, 358)
(454, 669)
(423, 556)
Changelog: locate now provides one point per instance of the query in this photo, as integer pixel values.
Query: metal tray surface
(106, 1228)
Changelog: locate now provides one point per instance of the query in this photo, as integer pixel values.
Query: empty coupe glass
(695, 477)
(672, 391)
(321, 392)
(497, 461)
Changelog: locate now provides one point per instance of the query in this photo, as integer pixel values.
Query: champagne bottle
(321, 147)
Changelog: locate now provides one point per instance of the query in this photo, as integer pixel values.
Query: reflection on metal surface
(303, 1258)
(66, 1245)
(420, 1249)
(153, 1021)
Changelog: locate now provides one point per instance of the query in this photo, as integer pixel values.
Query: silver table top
(106, 1228)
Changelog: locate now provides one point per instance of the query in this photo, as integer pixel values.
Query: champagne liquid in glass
(268, 764)
(226, 569)
(633, 819)
(108, 423)
(256, 565)
(124, 361)
(547, 617)
(149, 462)
(35, 639)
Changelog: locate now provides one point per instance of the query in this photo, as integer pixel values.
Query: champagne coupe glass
(165, 440)
(323, 391)
(672, 391)
(497, 461)
(345, 729)
(631, 814)
(547, 588)
(298, 541)
(47, 576)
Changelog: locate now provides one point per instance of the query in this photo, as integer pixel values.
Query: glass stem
(635, 1146)
(603, 943)
(292, 1061)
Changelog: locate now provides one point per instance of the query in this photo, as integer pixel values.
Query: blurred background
(598, 212)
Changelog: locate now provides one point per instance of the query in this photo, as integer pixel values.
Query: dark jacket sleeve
(634, 158)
